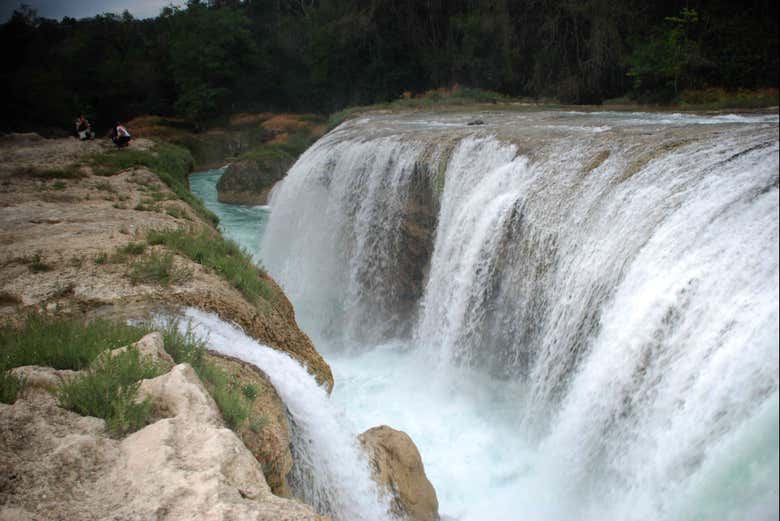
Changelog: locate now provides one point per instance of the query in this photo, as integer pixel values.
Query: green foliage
(250, 392)
(186, 347)
(123, 252)
(133, 248)
(670, 57)
(62, 343)
(209, 58)
(158, 268)
(714, 98)
(176, 212)
(209, 51)
(10, 385)
(222, 255)
(109, 388)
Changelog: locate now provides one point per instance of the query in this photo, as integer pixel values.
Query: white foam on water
(331, 471)
(595, 340)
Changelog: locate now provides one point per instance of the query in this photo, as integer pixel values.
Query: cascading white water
(618, 272)
(331, 473)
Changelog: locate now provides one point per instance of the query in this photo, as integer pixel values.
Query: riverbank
(87, 235)
(96, 235)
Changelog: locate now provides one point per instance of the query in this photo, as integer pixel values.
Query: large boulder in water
(398, 468)
(249, 180)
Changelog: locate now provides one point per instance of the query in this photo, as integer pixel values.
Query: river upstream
(573, 315)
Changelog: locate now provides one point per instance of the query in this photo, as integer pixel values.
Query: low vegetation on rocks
(108, 389)
(61, 342)
(222, 255)
(107, 386)
(171, 163)
(251, 175)
(228, 393)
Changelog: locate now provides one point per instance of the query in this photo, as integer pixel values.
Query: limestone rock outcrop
(187, 466)
(398, 468)
(151, 346)
(72, 231)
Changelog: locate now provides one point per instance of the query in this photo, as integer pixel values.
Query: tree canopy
(221, 56)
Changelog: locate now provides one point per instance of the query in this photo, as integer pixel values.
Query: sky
(83, 8)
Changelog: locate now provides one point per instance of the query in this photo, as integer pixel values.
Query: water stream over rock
(574, 315)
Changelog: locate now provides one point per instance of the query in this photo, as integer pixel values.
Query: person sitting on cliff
(120, 136)
(83, 128)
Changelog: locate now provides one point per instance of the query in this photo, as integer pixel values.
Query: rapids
(574, 315)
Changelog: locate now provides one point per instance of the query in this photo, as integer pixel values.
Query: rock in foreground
(186, 466)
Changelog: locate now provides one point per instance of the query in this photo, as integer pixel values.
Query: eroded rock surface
(60, 239)
(398, 467)
(55, 464)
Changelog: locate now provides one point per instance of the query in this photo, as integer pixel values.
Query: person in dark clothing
(83, 128)
(120, 136)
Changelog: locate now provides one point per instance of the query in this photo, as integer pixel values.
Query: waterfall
(330, 472)
(622, 269)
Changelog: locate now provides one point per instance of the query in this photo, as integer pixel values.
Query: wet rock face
(398, 468)
(418, 228)
(250, 181)
(268, 436)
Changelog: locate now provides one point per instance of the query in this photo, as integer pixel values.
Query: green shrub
(221, 255)
(109, 388)
(62, 343)
(158, 268)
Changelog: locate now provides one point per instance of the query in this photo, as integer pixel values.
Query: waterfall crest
(622, 267)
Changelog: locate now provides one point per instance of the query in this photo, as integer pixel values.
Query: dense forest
(222, 56)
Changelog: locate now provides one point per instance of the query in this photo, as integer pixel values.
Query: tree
(670, 58)
(210, 49)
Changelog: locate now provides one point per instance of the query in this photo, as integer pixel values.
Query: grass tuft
(10, 386)
(158, 268)
(222, 255)
(62, 343)
(109, 389)
(250, 391)
(133, 248)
